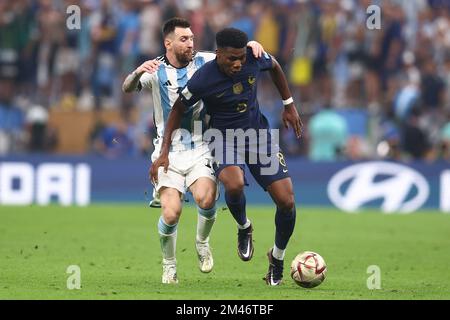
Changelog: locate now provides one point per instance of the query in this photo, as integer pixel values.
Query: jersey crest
(238, 88)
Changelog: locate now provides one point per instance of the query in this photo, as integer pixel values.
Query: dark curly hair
(231, 37)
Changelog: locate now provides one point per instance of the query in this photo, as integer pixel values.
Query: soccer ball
(308, 269)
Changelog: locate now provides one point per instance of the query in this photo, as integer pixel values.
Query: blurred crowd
(363, 93)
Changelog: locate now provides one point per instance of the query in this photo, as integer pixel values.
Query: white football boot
(169, 272)
(205, 258)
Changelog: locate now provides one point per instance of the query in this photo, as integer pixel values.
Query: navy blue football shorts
(266, 164)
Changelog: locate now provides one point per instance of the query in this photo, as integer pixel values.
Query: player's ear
(219, 52)
(167, 42)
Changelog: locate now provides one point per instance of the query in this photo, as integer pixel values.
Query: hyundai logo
(400, 188)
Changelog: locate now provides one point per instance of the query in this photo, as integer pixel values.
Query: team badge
(238, 88)
(251, 80)
(241, 107)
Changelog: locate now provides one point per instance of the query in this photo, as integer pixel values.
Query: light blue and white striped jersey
(165, 85)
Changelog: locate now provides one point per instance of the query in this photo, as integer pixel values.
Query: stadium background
(70, 137)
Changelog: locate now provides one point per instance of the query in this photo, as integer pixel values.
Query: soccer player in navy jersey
(228, 87)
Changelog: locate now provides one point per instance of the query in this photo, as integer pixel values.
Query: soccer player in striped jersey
(191, 161)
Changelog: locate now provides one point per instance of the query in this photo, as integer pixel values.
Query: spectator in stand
(433, 87)
(414, 140)
(11, 121)
(41, 136)
(103, 34)
(115, 140)
(329, 133)
(150, 41)
(445, 140)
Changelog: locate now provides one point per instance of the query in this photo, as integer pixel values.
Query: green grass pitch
(117, 250)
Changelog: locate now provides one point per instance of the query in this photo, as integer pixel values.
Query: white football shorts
(185, 167)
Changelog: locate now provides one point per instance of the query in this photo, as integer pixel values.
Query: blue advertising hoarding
(349, 186)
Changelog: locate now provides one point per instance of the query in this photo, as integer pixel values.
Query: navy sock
(236, 204)
(285, 223)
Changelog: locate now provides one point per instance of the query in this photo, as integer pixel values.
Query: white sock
(167, 238)
(245, 226)
(204, 226)
(205, 222)
(278, 253)
(170, 261)
(168, 245)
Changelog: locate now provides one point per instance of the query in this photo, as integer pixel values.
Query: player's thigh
(204, 191)
(269, 171)
(232, 178)
(282, 193)
(201, 178)
(174, 177)
(201, 181)
(171, 179)
(170, 204)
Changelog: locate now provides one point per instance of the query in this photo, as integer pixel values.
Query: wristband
(288, 101)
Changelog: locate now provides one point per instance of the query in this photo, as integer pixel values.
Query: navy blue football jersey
(230, 101)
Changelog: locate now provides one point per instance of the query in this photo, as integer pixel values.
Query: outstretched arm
(290, 115)
(173, 123)
(132, 80)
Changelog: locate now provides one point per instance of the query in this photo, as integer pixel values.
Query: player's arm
(132, 81)
(173, 123)
(290, 115)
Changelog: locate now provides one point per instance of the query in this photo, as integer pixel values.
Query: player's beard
(185, 56)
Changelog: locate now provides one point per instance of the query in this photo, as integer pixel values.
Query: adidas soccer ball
(308, 269)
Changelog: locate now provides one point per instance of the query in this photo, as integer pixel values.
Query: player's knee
(206, 198)
(207, 202)
(235, 188)
(171, 219)
(286, 203)
(170, 216)
(233, 184)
